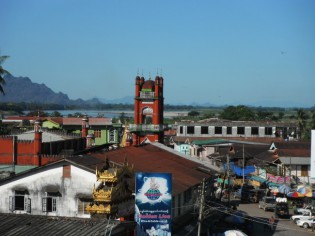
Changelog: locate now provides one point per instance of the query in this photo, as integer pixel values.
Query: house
(227, 129)
(66, 187)
(101, 129)
(295, 158)
(187, 173)
(36, 148)
(61, 188)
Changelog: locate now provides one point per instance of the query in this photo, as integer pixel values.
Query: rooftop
(23, 224)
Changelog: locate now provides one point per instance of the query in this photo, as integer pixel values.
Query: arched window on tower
(147, 115)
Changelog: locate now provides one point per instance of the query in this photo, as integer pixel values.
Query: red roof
(149, 84)
(150, 158)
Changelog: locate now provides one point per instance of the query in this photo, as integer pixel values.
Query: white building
(62, 188)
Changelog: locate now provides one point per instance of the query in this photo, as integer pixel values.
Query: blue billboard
(153, 210)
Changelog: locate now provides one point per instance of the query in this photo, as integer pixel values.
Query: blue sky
(258, 53)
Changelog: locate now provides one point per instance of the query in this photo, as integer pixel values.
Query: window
(217, 130)
(204, 130)
(304, 170)
(112, 135)
(82, 204)
(254, 130)
(187, 195)
(20, 202)
(180, 129)
(228, 130)
(190, 129)
(240, 130)
(268, 130)
(97, 133)
(49, 203)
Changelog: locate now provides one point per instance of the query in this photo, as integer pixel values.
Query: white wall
(81, 182)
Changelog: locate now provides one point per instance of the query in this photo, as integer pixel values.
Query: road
(284, 227)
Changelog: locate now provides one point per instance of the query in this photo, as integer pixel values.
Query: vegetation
(305, 118)
(3, 72)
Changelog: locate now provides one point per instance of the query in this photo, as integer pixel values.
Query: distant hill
(22, 89)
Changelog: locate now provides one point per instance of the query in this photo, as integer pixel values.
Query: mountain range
(22, 89)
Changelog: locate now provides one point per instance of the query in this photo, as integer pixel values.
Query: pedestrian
(271, 223)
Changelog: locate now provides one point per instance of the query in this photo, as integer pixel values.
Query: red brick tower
(148, 111)
(85, 126)
(37, 141)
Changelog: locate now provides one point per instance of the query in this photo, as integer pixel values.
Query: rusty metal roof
(150, 158)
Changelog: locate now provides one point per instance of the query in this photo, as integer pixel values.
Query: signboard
(153, 210)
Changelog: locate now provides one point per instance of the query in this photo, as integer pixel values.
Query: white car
(306, 223)
(304, 216)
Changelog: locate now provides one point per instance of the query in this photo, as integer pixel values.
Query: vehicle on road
(304, 216)
(301, 210)
(306, 223)
(282, 210)
(267, 203)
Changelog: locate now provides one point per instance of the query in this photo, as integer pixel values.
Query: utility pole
(228, 176)
(243, 165)
(201, 205)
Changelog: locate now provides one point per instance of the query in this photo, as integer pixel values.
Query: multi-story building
(231, 129)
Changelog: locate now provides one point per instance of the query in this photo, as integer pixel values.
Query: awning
(262, 180)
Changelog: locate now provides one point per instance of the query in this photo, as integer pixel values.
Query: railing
(144, 127)
(147, 95)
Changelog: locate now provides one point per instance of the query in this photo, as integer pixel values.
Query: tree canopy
(240, 112)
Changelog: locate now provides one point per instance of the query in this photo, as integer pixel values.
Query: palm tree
(3, 72)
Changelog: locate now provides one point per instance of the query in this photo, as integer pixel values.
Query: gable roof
(293, 149)
(152, 158)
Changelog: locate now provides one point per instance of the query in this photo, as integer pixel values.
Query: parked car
(307, 208)
(306, 223)
(304, 216)
(267, 203)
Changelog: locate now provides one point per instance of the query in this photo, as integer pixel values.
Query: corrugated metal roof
(46, 137)
(25, 225)
(296, 160)
(209, 141)
(151, 158)
(92, 121)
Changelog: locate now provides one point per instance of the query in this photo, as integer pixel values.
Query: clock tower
(148, 111)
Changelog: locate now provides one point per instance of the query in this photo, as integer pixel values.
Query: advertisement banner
(153, 210)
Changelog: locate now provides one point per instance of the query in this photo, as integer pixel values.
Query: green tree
(240, 112)
(301, 118)
(3, 72)
(55, 114)
(193, 113)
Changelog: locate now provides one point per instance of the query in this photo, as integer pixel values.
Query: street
(213, 220)
(284, 227)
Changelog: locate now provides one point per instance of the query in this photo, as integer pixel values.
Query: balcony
(147, 95)
(146, 128)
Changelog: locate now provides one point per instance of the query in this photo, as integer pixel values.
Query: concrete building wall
(36, 187)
